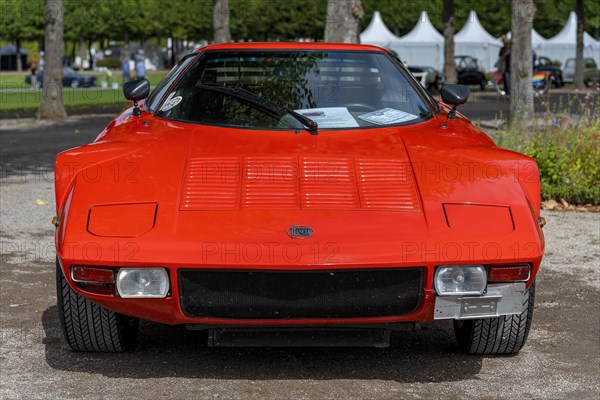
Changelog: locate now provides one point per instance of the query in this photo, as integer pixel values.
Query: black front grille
(261, 294)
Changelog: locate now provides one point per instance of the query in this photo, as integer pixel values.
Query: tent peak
(473, 17)
(377, 33)
(474, 32)
(423, 31)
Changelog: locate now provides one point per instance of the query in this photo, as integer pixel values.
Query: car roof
(291, 46)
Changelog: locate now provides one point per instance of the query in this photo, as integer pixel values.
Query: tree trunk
(51, 106)
(221, 32)
(173, 56)
(579, 62)
(90, 55)
(521, 63)
(81, 48)
(343, 21)
(126, 53)
(73, 51)
(449, 64)
(19, 60)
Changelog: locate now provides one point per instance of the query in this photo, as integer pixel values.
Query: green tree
(449, 29)
(22, 21)
(221, 31)
(493, 15)
(86, 21)
(343, 21)
(521, 96)
(578, 77)
(552, 15)
(51, 106)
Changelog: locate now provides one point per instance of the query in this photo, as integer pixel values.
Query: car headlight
(142, 282)
(464, 280)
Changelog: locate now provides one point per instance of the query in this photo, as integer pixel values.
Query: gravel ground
(560, 360)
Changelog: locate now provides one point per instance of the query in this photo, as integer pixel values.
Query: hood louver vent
(299, 182)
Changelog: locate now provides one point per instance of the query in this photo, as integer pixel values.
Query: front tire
(89, 327)
(500, 335)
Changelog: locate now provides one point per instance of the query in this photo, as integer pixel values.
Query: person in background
(140, 69)
(503, 63)
(33, 71)
(125, 70)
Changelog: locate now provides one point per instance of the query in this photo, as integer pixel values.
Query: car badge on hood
(300, 232)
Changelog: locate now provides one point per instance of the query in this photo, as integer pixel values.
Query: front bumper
(171, 309)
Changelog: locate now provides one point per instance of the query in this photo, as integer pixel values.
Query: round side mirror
(455, 94)
(136, 90)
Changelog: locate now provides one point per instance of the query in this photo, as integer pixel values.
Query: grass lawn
(15, 94)
(27, 99)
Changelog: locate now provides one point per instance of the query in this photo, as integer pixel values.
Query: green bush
(109, 62)
(567, 151)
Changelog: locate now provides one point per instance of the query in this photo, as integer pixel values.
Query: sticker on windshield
(387, 116)
(330, 117)
(171, 103)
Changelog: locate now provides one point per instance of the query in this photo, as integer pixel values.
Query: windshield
(335, 89)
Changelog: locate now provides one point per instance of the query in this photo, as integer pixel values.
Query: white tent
(537, 41)
(422, 46)
(473, 40)
(377, 33)
(563, 46)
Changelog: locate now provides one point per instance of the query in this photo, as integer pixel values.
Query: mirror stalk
(452, 112)
(136, 109)
(135, 91)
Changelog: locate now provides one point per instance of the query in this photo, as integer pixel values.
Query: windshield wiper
(260, 103)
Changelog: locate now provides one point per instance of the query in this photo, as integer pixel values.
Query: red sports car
(295, 194)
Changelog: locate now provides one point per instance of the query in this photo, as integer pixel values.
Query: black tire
(482, 85)
(558, 83)
(500, 335)
(87, 326)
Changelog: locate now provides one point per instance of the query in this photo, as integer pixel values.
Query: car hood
(212, 193)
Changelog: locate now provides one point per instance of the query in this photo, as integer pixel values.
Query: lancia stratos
(295, 194)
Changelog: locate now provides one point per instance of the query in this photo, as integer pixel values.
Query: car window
(590, 63)
(471, 63)
(159, 92)
(337, 89)
(570, 63)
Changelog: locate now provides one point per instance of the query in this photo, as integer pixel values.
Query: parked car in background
(433, 78)
(544, 64)
(591, 74)
(468, 71)
(70, 79)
